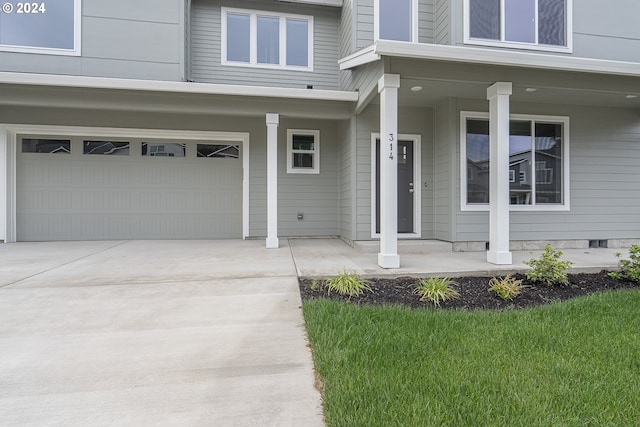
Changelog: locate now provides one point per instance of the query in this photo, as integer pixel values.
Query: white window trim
(315, 152)
(417, 188)
(253, 39)
(415, 22)
(77, 39)
(476, 207)
(516, 45)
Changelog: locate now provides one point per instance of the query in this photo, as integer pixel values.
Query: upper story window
(538, 162)
(396, 20)
(266, 39)
(51, 27)
(526, 24)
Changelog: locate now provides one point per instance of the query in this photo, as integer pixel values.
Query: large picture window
(265, 39)
(529, 24)
(51, 27)
(538, 162)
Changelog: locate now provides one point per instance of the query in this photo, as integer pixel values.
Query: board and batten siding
(206, 48)
(414, 121)
(120, 39)
(604, 180)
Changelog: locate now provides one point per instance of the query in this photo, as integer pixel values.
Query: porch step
(406, 246)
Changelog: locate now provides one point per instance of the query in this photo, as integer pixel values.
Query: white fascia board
(361, 57)
(503, 57)
(175, 87)
(334, 3)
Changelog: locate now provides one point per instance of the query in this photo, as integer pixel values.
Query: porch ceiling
(433, 92)
(175, 97)
(440, 80)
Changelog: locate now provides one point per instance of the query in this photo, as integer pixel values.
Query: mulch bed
(474, 294)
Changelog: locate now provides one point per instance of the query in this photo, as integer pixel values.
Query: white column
(272, 181)
(388, 88)
(498, 96)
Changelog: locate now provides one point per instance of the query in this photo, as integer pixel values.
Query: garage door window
(163, 149)
(219, 151)
(106, 148)
(56, 146)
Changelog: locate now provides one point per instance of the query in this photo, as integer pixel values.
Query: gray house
(485, 123)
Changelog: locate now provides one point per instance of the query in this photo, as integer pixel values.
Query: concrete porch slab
(321, 258)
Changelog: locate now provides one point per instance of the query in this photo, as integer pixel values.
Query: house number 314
(391, 139)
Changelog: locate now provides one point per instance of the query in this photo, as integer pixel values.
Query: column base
(389, 261)
(499, 258)
(273, 243)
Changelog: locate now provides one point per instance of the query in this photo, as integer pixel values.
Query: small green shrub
(629, 268)
(548, 269)
(436, 290)
(315, 285)
(347, 284)
(506, 288)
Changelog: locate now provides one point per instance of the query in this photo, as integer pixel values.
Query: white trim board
(175, 87)
(477, 55)
(12, 130)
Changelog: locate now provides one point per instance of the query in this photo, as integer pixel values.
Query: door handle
(411, 190)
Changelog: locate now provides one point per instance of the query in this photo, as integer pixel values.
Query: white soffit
(174, 87)
(488, 56)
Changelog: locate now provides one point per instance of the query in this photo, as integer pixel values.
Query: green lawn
(568, 364)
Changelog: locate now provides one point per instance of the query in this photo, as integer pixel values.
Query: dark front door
(405, 187)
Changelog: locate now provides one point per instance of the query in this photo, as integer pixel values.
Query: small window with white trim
(303, 151)
(49, 27)
(523, 24)
(267, 39)
(538, 162)
(396, 20)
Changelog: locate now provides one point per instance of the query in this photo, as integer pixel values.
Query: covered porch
(561, 93)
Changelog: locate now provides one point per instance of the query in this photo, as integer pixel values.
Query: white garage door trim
(8, 158)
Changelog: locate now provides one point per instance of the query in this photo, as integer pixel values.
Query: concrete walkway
(182, 333)
(153, 333)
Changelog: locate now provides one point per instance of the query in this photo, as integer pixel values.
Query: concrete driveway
(137, 333)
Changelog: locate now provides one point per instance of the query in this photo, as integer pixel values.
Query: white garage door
(87, 188)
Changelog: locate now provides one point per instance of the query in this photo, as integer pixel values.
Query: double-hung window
(526, 24)
(49, 27)
(538, 162)
(266, 39)
(303, 151)
(396, 20)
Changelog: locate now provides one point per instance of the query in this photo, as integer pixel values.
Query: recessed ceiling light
(632, 96)
(416, 89)
(531, 89)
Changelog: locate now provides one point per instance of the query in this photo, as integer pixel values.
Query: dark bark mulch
(474, 294)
